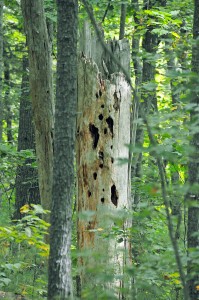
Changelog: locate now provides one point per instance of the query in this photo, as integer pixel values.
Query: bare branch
(167, 207)
(106, 11)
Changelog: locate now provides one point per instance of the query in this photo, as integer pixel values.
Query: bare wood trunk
(103, 131)
(41, 92)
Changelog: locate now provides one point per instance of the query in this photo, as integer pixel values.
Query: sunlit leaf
(25, 209)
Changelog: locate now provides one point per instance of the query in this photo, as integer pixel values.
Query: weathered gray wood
(103, 131)
(91, 47)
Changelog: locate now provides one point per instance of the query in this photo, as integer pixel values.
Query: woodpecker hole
(105, 130)
(101, 117)
(101, 155)
(101, 166)
(117, 100)
(89, 193)
(97, 96)
(114, 195)
(95, 176)
(95, 135)
(102, 200)
(112, 160)
(100, 93)
(109, 121)
(102, 106)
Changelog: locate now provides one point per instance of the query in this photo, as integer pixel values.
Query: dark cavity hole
(101, 117)
(89, 193)
(109, 121)
(103, 190)
(97, 96)
(100, 93)
(101, 166)
(95, 135)
(102, 106)
(105, 130)
(111, 146)
(114, 195)
(95, 176)
(112, 160)
(101, 155)
(102, 200)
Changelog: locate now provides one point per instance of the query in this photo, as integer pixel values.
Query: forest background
(163, 216)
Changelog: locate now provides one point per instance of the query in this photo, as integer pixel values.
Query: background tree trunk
(1, 66)
(1, 74)
(41, 92)
(27, 189)
(7, 100)
(122, 21)
(103, 131)
(60, 282)
(193, 196)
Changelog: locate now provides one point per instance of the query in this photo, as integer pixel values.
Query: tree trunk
(7, 100)
(122, 21)
(145, 73)
(41, 92)
(193, 196)
(103, 131)
(137, 129)
(1, 74)
(60, 282)
(175, 203)
(27, 189)
(1, 66)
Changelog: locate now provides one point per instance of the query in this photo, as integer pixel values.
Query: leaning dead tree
(103, 170)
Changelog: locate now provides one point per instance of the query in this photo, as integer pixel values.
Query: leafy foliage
(23, 242)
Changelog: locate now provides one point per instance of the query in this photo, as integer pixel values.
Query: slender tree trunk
(7, 100)
(175, 203)
(60, 282)
(193, 196)
(144, 73)
(41, 92)
(137, 129)
(1, 67)
(122, 21)
(1, 74)
(27, 189)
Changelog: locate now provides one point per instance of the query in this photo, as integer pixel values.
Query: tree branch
(166, 203)
(106, 11)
